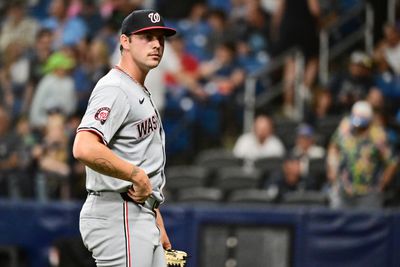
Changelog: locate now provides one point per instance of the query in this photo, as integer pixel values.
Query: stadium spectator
(360, 161)
(38, 55)
(17, 27)
(183, 89)
(296, 24)
(237, 10)
(222, 78)
(305, 143)
(52, 155)
(180, 8)
(305, 147)
(14, 76)
(195, 30)
(353, 84)
(55, 91)
(384, 115)
(12, 182)
(322, 107)
(188, 76)
(387, 52)
(77, 175)
(252, 40)
(289, 178)
(68, 31)
(221, 30)
(387, 76)
(255, 28)
(92, 60)
(261, 142)
(115, 11)
(97, 59)
(88, 12)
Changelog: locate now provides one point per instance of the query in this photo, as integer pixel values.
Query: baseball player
(121, 142)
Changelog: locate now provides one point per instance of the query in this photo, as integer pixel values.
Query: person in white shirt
(259, 143)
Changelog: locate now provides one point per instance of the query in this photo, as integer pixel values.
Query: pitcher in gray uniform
(121, 142)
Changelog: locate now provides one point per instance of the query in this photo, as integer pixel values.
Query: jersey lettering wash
(121, 112)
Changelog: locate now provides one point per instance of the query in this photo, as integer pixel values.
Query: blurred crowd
(52, 53)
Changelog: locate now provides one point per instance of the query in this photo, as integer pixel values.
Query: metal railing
(251, 102)
(391, 11)
(327, 53)
(365, 32)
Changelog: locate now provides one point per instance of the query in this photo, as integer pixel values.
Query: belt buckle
(94, 193)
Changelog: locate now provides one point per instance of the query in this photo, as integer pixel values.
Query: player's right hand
(141, 189)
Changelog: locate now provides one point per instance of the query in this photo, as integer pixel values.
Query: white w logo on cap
(154, 17)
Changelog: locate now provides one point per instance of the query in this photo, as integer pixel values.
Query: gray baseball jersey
(121, 112)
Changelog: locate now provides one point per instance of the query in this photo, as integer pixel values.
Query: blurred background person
(14, 76)
(195, 30)
(55, 91)
(38, 55)
(254, 29)
(18, 27)
(52, 155)
(68, 31)
(360, 161)
(221, 30)
(296, 24)
(219, 116)
(387, 51)
(387, 75)
(289, 178)
(12, 182)
(306, 149)
(261, 142)
(352, 84)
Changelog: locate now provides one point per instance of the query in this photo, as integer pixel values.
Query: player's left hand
(165, 239)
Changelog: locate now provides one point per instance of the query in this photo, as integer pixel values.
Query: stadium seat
(217, 158)
(268, 165)
(252, 195)
(285, 129)
(183, 176)
(305, 198)
(317, 170)
(199, 195)
(326, 127)
(230, 178)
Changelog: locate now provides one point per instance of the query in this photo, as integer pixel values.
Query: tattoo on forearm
(105, 167)
(135, 171)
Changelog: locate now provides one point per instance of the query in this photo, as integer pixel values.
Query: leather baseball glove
(175, 258)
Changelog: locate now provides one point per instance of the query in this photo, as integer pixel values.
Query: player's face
(147, 48)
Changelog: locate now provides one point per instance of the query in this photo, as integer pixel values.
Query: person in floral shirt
(360, 160)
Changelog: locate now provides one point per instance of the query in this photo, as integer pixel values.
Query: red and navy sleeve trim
(95, 131)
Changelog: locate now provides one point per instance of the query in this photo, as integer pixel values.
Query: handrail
(365, 32)
(352, 13)
(391, 11)
(326, 55)
(250, 100)
(274, 64)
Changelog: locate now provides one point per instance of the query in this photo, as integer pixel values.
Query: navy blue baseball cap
(305, 130)
(144, 20)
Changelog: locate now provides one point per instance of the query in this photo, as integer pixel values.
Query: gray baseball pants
(120, 233)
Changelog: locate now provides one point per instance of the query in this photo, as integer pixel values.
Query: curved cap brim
(167, 31)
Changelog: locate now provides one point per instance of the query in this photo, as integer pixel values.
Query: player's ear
(124, 41)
